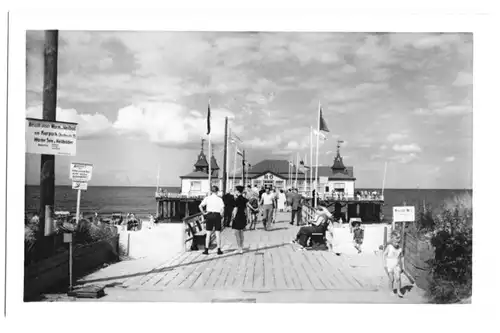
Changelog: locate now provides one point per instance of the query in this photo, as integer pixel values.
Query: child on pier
(358, 236)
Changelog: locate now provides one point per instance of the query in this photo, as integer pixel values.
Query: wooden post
(71, 265)
(158, 205)
(243, 163)
(128, 244)
(403, 234)
(186, 209)
(385, 237)
(224, 172)
(47, 175)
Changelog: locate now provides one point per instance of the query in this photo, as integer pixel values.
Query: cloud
(404, 158)
(463, 79)
(409, 148)
(449, 159)
(383, 147)
(448, 110)
(89, 125)
(396, 136)
(170, 124)
(260, 143)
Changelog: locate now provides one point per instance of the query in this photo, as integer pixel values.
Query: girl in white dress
(392, 262)
(281, 201)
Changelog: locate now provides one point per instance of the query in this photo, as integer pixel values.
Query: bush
(84, 233)
(451, 267)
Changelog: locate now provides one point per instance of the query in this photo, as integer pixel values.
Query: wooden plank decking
(270, 263)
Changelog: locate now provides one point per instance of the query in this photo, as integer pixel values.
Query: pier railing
(307, 212)
(161, 195)
(330, 196)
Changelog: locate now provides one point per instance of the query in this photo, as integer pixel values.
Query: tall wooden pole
(224, 172)
(243, 163)
(47, 175)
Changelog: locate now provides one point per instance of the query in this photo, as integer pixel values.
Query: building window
(257, 183)
(339, 187)
(195, 186)
(268, 183)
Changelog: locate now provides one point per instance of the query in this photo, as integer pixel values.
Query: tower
(338, 163)
(201, 163)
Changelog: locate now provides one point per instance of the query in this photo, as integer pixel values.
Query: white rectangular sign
(81, 172)
(50, 137)
(403, 214)
(79, 186)
(323, 180)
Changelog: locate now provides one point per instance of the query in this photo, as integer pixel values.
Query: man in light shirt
(267, 201)
(212, 207)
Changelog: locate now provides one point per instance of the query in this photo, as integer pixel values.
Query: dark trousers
(306, 232)
(297, 212)
(227, 216)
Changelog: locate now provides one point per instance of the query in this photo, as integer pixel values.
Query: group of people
(242, 208)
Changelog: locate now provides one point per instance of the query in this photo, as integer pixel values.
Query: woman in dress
(281, 201)
(239, 218)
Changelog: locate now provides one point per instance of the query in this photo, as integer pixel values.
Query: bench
(195, 229)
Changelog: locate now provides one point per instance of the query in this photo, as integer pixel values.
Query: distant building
(196, 182)
(276, 173)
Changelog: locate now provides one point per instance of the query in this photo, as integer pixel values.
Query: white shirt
(213, 204)
(267, 198)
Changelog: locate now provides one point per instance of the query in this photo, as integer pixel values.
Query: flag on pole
(322, 123)
(320, 135)
(234, 137)
(208, 119)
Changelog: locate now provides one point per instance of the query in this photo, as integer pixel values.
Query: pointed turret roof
(201, 162)
(338, 163)
(214, 165)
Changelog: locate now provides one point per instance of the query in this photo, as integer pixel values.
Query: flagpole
(209, 151)
(310, 160)
(158, 179)
(297, 171)
(234, 164)
(383, 182)
(317, 162)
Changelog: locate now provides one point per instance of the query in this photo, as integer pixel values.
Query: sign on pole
(79, 185)
(81, 172)
(50, 137)
(403, 214)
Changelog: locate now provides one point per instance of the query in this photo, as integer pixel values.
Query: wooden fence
(417, 251)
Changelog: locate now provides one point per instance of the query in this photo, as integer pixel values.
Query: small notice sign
(403, 214)
(323, 180)
(79, 186)
(81, 172)
(50, 137)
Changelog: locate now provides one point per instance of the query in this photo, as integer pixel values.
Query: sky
(140, 99)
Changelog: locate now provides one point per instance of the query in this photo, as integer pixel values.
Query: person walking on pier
(239, 217)
(229, 204)
(267, 203)
(296, 207)
(212, 207)
(281, 201)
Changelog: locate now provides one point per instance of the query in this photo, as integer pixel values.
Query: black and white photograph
(299, 166)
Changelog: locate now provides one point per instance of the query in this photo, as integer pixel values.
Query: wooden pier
(175, 207)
